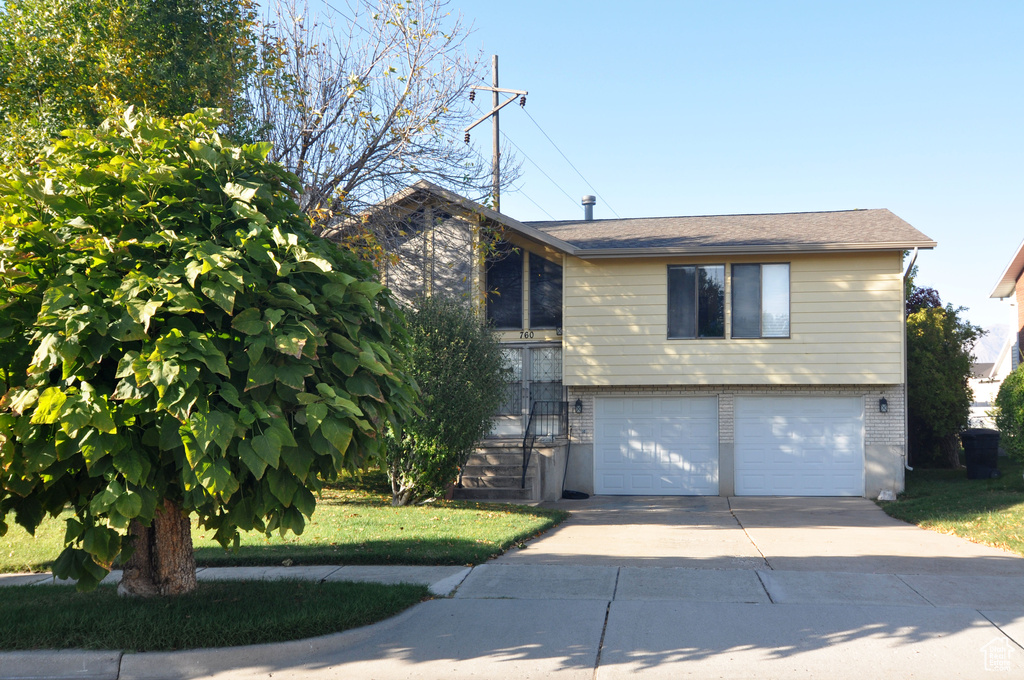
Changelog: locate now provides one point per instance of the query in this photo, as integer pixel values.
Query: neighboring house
(1010, 285)
(985, 381)
(713, 355)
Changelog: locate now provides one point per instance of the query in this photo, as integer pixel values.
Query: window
(760, 301)
(545, 293)
(696, 301)
(505, 290)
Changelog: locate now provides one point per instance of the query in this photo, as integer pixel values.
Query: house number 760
(525, 335)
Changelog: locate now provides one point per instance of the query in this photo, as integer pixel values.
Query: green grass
(354, 523)
(220, 614)
(987, 511)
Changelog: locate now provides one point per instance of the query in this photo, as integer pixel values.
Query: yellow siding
(846, 326)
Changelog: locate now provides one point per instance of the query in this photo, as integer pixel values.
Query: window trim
(696, 306)
(760, 301)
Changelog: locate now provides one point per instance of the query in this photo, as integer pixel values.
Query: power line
(520, 191)
(527, 157)
(509, 140)
(571, 165)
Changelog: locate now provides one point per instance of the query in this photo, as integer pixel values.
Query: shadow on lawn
(445, 552)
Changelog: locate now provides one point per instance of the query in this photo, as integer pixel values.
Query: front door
(536, 375)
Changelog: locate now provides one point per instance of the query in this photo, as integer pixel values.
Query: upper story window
(696, 301)
(760, 301)
(505, 289)
(545, 293)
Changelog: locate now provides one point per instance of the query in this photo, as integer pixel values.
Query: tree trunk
(163, 562)
(950, 446)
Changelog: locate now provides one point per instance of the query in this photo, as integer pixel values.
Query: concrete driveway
(676, 587)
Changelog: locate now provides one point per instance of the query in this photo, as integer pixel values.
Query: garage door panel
(803, 446)
(667, 445)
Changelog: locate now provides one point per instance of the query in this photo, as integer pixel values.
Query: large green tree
(177, 343)
(62, 62)
(940, 345)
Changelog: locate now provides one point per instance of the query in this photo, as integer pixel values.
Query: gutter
(906, 396)
(755, 249)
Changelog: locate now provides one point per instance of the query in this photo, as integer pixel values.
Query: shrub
(939, 346)
(1009, 412)
(457, 362)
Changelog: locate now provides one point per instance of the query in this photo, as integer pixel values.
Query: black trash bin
(981, 449)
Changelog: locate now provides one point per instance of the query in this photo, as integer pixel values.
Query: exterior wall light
(578, 406)
(883, 405)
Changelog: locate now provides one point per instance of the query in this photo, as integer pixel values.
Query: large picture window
(545, 293)
(696, 301)
(760, 301)
(505, 290)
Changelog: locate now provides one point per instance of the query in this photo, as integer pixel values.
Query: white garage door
(799, 446)
(658, 446)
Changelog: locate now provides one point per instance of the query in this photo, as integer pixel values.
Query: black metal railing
(547, 419)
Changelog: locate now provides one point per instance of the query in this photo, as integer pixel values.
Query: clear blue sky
(716, 107)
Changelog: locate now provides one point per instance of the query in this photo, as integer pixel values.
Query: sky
(727, 106)
(724, 107)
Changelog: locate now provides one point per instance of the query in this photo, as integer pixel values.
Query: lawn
(218, 614)
(354, 523)
(989, 511)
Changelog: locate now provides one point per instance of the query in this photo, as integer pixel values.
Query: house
(1011, 286)
(709, 355)
(985, 381)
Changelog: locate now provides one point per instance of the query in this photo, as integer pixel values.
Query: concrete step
(487, 494)
(496, 458)
(496, 482)
(487, 470)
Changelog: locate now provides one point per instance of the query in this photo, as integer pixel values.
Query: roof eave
(517, 226)
(794, 249)
(1008, 281)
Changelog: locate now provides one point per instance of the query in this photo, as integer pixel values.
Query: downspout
(906, 399)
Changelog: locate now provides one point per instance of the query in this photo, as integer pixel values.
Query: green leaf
(105, 499)
(293, 375)
(298, 461)
(162, 374)
(283, 485)
(315, 414)
(21, 399)
(259, 375)
(223, 296)
(129, 504)
(48, 410)
(249, 322)
(243, 191)
(214, 427)
(290, 343)
(364, 385)
(268, 448)
(132, 465)
(249, 458)
(143, 311)
(217, 478)
(229, 393)
(337, 433)
(102, 419)
(345, 362)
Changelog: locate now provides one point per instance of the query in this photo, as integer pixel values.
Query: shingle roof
(785, 232)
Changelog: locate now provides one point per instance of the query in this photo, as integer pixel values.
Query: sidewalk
(663, 588)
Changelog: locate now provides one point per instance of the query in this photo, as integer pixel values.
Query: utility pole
(493, 115)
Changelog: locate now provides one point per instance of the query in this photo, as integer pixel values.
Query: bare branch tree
(361, 102)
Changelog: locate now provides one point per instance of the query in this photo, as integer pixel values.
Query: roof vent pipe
(588, 208)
